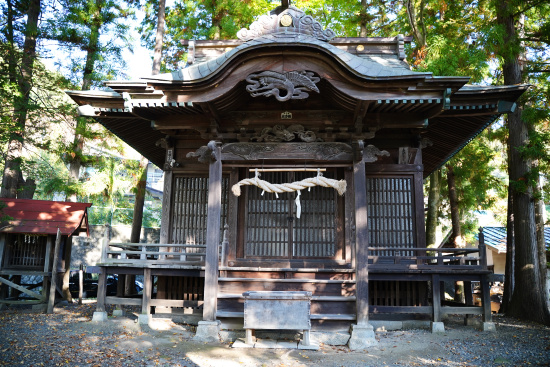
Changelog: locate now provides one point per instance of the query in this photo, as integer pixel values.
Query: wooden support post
(486, 298)
(166, 208)
(361, 241)
(147, 292)
(2, 248)
(101, 289)
(436, 298)
(67, 262)
(80, 283)
(213, 234)
(53, 279)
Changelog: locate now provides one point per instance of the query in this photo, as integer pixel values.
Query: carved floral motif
(293, 84)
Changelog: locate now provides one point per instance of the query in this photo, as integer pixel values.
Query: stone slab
(265, 344)
(239, 343)
(311, 346)
(144, 319)
(329, 337)
(119, 312)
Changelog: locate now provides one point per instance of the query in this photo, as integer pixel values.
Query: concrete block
(39, 308)
(265, 344)
(329, 338)
(239, 343)
(438, 327)
(144, 319)
(311, 346)
(99, 316)
(488, 326)
(416, 324)
(119, 312)
(362, 336)
(286, 344)
(208, 331)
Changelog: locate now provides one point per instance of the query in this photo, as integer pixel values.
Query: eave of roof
(44, 217)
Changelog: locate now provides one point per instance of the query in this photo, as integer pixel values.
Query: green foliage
(78, 25)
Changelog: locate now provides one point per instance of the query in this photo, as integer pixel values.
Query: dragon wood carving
(294, 83)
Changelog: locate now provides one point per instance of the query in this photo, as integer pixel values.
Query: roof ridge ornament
(291, 19)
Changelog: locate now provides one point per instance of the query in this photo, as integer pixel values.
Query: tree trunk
(455, 214)
(140, 200)
(456, 235)
(433, 204)
(12, 168)
(363, 21)
(529, 300)
(159, 37)
(541, 245)
(509, 276)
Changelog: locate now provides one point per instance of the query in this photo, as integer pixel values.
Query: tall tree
(12, 178)
(80, 26)
(529, 300)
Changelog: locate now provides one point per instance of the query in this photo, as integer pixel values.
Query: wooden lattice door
(273, 229)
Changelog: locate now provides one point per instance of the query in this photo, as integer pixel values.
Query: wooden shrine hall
(294, 161)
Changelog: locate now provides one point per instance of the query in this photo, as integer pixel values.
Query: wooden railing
(161, 254)
(428, 258)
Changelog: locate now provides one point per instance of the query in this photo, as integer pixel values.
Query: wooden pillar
(213, 234)
(53, 278)
(486, 298)
(436, 298)
(165, 223)
(101, 289)
(147, 292)
(67, 265)
(361, 240)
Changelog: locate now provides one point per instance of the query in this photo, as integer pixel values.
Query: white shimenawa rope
(339, 186)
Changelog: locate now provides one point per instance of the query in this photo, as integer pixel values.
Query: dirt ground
(69, 338)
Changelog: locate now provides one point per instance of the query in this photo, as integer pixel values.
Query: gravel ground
(68, 338)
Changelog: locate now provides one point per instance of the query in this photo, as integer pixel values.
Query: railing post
(482, 249)
(105, 247)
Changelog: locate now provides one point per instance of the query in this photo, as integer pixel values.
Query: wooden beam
(285, 151)
(213, 234)
(21, 289)
(53, 281)
(436, 298)
(2, 248)
(361, 240)
(359, 114)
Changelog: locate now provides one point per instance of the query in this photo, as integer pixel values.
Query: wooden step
(290, 280)
(313, 298)
(326, 316)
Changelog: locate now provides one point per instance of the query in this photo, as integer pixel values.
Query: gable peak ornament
(286, 20)
(283, 86)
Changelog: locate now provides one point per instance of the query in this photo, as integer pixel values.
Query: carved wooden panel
(295, 151)
(390, 212)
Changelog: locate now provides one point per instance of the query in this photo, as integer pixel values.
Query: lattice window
(190, 210)
(273, 230)
(390, 212)
(26, 251)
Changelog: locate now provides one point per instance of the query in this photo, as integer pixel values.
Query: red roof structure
(44, 217)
